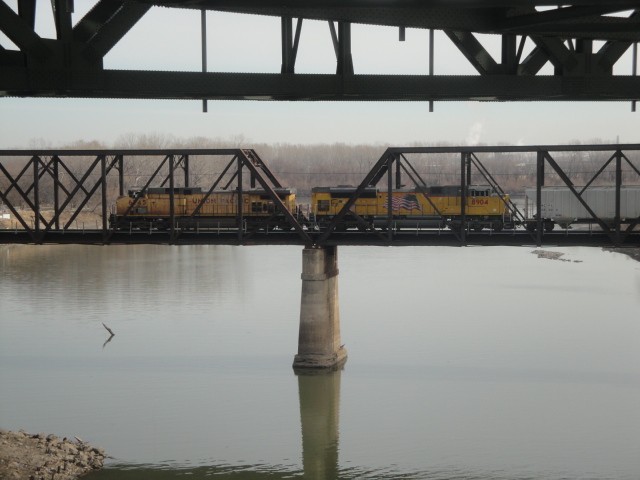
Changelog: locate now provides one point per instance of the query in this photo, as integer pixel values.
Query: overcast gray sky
(169, 39)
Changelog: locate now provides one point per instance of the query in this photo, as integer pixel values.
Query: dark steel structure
(75, 179)
(73, 194)
(566, 36)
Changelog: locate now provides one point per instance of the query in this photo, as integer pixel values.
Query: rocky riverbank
(24, 456)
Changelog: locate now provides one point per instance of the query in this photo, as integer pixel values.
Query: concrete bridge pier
(319, 345)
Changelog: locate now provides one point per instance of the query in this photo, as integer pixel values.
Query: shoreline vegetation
(25, 456)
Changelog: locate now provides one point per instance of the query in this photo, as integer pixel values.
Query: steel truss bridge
(582, 39)
(77, 181)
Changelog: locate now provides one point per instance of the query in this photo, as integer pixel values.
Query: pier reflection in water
(319, 417)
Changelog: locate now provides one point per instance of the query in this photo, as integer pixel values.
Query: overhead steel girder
(21, 33)
(85, 44)
(18, 81)
(71, 66)
(106, 27)
(583, 19)
(565, 61)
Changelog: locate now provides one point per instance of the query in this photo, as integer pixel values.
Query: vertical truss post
(62, 10)
(509, 54)
(287, 42)
(634, 68)
(345, 60)
(390, 161)
(103, 182)
(121, 175)
(172, 200)
(56, 191)
(27, 11)
(618, 185)
(539, 184)
(203, 28)
(431, 49)
(468, 169)
(239, 216)
(185, 167)
(398, 172)
(36, 196)
(463, 196)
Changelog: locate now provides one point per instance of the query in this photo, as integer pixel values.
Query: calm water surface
(464, 363)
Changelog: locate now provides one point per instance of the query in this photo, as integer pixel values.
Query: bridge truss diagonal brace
(144, 189)
(101, 182)
(381, 166)
(250, 159)
(509, 205)
(474, 52)
(417, 179)
(13, 184)
(567, 181)
(22, 33)
(116, 19)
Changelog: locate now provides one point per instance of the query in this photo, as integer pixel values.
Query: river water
(464, 363)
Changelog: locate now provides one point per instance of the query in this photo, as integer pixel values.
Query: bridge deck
(402, 238)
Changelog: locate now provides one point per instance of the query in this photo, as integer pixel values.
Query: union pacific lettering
(221, 200)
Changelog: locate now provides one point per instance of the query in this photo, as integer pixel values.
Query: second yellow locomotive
(419, 207)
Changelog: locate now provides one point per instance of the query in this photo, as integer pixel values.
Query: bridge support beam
(319, 345)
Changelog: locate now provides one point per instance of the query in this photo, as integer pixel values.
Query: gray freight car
(561, 207)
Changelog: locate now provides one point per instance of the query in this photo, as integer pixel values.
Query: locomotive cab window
(323, 205)
(256, 207)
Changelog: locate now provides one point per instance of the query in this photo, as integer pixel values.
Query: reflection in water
(111, 334)
(198, 382)
(319, 416)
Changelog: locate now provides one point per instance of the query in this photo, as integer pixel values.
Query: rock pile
(34, 457)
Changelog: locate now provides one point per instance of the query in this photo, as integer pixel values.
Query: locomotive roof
(199, 190)
(349, 189)
(343, 189)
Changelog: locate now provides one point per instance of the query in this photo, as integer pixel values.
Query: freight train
(411, 208)
(420, 207)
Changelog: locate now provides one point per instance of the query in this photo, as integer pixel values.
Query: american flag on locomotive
(406, 201)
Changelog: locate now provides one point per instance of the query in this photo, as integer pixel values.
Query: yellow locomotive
(195, 209)
(419, 207)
